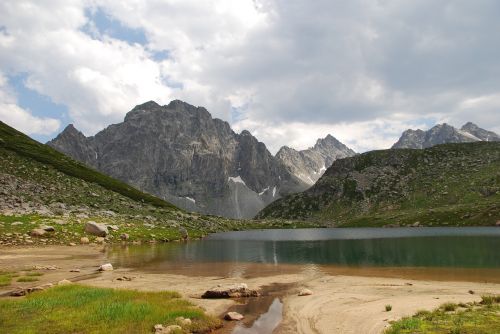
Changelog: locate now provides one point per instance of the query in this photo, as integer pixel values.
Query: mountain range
(178, 152)
(442, 134)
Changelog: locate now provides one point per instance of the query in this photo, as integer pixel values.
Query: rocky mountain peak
(442, 134)
(180, 153)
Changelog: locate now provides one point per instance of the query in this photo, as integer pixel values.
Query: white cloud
(362, 70)
(22, 119)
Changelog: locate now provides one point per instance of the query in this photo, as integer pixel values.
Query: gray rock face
(308, 165)
(442, 134)
(180, 153)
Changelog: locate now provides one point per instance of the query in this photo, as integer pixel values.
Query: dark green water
(477, 247)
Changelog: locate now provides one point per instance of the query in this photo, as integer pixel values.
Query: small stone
(497, 223)
(233, 316)
(124, 236)
(64, 282)
(183, 321)
(106, 267)
(84, 240)
(305, 292)
(16, 223)
(37, 232)
(113, 227)
(72, 244)
(76, 270)
(99, 240)
(48, 228)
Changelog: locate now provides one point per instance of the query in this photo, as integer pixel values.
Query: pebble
(305, 292)
(233, 316)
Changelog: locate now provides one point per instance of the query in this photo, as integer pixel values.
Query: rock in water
(184, 233)
(233, 316)
(230, 291)
(96, 229)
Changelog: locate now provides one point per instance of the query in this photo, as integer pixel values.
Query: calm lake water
(261, 252)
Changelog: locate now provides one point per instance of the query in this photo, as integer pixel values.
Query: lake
(470, 253)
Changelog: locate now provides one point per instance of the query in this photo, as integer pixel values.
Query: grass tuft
(388, 308)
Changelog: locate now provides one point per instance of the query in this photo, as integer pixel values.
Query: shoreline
(339, 297)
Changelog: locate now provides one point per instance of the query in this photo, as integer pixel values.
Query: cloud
(363, 70)
(20, 118)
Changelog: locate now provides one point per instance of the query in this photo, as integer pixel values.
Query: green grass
(33, 274)
(21, 144)
(24, 279)
(6, 278)
(81, 309)
(449, 318)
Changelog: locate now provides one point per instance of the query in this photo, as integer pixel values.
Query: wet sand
(344, 300)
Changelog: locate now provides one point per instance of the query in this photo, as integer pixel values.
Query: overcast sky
(289, 71)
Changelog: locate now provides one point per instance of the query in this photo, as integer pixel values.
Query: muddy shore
(344, 300)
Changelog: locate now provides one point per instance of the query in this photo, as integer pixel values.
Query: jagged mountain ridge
(309, 165)
(442, 134)
(180, 153)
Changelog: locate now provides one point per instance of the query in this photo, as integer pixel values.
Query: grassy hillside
(452, 184)
(40, 186)
(15, 141)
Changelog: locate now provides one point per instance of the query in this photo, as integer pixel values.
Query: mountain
(450, 184)
(178, 152)
(308, 165)
(442, 134)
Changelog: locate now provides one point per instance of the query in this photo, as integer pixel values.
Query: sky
(289, 71)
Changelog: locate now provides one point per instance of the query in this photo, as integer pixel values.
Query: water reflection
(266, 323)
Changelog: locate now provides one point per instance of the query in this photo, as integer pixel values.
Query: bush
(388, 308)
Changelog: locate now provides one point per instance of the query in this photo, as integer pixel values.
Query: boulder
(498, 223)
(106, 267)
(305, 292)
(84, 240)
(230, 291)
(37, 232)
(184, 233)
(233, 316)
(159, 329)
(113, 227)
(124, 236)
(96, 229)
(99, 240)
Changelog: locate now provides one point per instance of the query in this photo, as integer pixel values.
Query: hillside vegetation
(40, 187)
(451, 184)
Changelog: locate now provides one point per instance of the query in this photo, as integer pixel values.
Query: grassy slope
(80, 309)
(453, 184)
(21, 144)
(482, 318)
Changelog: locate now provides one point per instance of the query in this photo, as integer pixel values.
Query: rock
(184, 322)
(124, 278)
(99, 240)
(184, 233)
(230, 291)
(64, 282)
(415, 224)
(76, 270)
(72, 244)
(84, 240)
(45, 267)
(233, 316)
(48, 228)
(159, 329)
(124, 236)
(106, 267)
(96, 229)
(498, 223)
(113, 227)
(37, 232)
(305, 292)
(16, 223)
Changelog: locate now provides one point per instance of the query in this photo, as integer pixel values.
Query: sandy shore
(339, 304)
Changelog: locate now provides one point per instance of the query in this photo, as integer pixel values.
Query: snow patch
(469, 135)
(274, 191)
(263, 191)
(322, 169)
(190, 199)
(237, 179)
